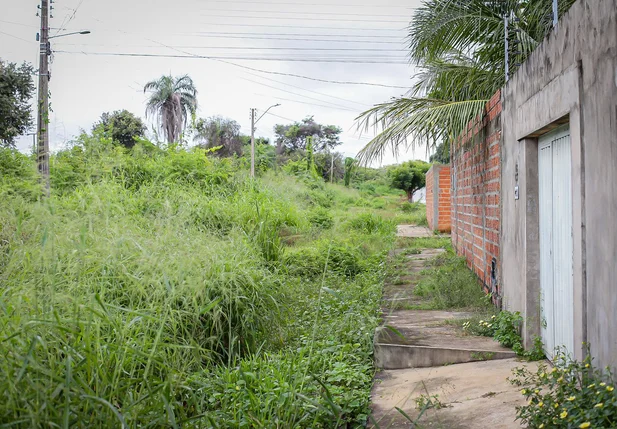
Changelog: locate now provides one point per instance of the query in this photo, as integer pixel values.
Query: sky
(136, 41)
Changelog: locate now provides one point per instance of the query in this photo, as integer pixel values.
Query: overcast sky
(366, 37)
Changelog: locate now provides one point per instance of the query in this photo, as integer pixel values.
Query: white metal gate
(556, 252)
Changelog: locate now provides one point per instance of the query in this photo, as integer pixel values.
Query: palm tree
(171, 101)
(459, 46)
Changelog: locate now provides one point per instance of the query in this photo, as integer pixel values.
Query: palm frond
(408, 121)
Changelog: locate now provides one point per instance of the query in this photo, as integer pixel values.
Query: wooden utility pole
(252, 142)
(43, 110)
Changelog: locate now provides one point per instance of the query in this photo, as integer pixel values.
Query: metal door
(556, 252)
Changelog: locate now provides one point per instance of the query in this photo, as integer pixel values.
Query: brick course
(438, 185)
(476, 182)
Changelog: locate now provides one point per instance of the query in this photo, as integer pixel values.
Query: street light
(70, 34)
(253, 123)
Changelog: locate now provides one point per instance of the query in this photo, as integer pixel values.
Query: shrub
(570, 395)
(505, 327)
(338, 258)
(321, 218)
(371, 223)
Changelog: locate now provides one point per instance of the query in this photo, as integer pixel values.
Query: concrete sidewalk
(474, 395)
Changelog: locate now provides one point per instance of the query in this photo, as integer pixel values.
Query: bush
(371, 223)
(570, 395)
(505, 327)
(321, 218)
(339, 258)
(18, 175)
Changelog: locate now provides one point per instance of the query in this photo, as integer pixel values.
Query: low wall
(438, 198)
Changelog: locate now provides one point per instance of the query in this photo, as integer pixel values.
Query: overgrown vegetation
(505, 327)
(164, 288)
(448, 283)
(570, 395)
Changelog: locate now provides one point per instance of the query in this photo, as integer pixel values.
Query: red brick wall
(444, 218)
(438, 184)
(476, 181)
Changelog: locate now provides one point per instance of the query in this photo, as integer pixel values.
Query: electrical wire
(308, 90)
(288, 48)
(312, 4)
(63, 25)
(304, 102)
(372, 36)
(299, 95)
(306, 13)
(16, 37)
(349, 60)
(224, 24)
(305, 19)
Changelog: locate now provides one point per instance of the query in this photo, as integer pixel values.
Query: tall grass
(153, 289)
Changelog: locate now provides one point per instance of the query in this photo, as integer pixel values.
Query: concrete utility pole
(252, 142)
(253, 123)
(43, 110)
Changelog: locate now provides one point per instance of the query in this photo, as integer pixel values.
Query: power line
(305, 19)
(304, 102)
(16, 37)
(281, 117)
(63, 25)
(313, 4)
(299, 95)
(308, 90)
(371, 36)
(317, 60)
(293, 48)
(222, 24)
(306, 13)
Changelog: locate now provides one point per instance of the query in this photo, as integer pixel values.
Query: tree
(442, 153)
(460, 48)
(122, 126)
(350, 163)
(218, 131)
(325, 160)
(171, 100)
(409, 176)
(291, 138)
(16, 90)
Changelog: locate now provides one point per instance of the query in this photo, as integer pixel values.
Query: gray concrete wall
(571, 77)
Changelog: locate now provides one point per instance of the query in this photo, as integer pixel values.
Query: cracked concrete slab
(474, 395)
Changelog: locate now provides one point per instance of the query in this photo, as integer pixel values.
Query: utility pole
(253, 122)
(252, 142)
(43, 110)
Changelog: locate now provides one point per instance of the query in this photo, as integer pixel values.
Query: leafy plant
(505, 327)
(570, 395)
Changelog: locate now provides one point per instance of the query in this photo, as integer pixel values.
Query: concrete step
(471, 395)
(425, 338)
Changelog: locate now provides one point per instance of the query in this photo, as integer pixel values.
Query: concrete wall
(438, 199)
(476, 182)
(570, 78)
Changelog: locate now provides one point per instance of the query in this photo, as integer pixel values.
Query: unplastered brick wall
(476, 180)
(438, 198)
